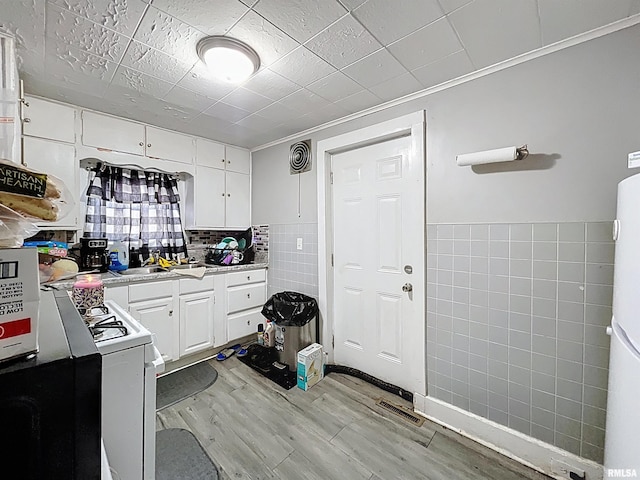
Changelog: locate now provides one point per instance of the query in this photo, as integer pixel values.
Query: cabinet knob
(222, 160)
(148, 144)
(248, 322)
(229, 161)
(171, 313)
(223, 194)
(27, 120)
(248, 277)
(248, 295)
(141, 144)
(228, 194)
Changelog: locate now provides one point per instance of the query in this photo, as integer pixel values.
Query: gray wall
(577, 111)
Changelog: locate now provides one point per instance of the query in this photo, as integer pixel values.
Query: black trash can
(295, 316)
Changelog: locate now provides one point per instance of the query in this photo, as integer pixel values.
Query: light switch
(299, 243)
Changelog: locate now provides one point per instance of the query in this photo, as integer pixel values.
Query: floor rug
(184, 383)
(179, 456)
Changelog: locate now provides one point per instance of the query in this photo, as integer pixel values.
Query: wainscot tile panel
(516, 318)
(289, 268)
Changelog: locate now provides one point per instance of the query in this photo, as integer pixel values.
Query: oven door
(154, 366)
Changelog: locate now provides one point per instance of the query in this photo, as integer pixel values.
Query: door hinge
(332, 259)
(333, 341)
(331, 177)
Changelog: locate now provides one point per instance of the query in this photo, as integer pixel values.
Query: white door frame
(412, 125)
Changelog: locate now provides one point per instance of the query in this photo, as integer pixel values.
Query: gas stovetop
(114, 329)
(103, 324)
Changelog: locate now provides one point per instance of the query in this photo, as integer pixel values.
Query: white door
(378, 246)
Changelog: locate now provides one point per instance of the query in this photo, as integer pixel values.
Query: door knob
(407, 287)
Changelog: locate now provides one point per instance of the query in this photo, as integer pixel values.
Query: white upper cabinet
(49, 120)
(209, 154)
(58, 159)
(205, 199)
(238, 160)
(103, 131)
(169, 145)
(237, 206)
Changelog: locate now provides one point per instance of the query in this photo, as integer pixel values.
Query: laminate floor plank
(254, 429)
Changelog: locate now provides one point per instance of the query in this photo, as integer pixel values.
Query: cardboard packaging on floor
(310, 366)
(19, 300)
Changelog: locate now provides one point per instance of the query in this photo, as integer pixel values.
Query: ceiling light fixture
(227, 58)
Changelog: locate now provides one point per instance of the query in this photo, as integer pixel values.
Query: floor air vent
(402, 412)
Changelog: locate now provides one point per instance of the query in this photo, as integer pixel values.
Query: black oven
(50, 404)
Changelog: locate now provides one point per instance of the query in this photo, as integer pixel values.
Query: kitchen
(571, 103)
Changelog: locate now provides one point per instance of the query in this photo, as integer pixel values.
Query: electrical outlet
(299, 243)
(560, 467)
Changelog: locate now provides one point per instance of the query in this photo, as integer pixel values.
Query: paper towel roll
(506, 154)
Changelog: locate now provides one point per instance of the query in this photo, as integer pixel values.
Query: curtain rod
(91, 163)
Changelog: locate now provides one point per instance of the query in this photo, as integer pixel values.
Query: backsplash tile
(289, 268)
(516, 317)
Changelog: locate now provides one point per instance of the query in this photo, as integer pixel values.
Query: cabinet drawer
(195, 285)
(244, 323)
(248, 276)
(148, 291)
(247, 296)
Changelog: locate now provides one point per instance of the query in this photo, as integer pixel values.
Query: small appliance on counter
(94, 254)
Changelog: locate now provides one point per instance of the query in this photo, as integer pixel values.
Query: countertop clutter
(114, 278)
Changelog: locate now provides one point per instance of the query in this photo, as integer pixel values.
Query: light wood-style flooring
(254, 429)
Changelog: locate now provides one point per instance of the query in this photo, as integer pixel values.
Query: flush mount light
(227, 58)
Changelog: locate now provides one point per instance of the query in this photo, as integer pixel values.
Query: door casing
(413, 125)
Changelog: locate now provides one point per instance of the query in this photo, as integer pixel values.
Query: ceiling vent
(300, 157)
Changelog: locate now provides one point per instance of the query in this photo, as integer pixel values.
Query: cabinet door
(238, 160)
(209, 154)
(56, 159)
(49, 120)
(102, 131)
(238, 212)
(209, 199)
(118, 294)
(169, 145)
(159, 318)
(196, 322)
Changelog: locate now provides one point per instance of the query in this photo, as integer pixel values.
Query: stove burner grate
(99, 324)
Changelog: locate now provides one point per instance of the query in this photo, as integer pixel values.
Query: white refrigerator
(622, 437)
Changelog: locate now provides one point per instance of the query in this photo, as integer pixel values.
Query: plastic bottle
(119, 254)
(261, 334)
(270, 335)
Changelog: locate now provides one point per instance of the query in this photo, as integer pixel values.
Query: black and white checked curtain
(127, 205)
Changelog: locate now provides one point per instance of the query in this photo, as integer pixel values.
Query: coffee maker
(94, 254)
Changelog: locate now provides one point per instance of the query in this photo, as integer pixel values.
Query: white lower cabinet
(246, 294)
(158, 316)
(196, 322)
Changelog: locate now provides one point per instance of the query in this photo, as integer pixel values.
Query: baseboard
(518, 446)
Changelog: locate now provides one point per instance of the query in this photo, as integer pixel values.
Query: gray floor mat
(183, 383)
(179, 456)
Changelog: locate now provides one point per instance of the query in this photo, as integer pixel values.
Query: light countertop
(114, 278)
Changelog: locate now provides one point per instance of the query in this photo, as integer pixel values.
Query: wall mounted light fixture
(227, 58)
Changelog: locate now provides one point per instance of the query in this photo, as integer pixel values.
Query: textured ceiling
(321, 59)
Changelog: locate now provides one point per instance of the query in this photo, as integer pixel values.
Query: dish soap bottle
(119, 254)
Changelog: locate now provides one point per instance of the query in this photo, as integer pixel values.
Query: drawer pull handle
(248, 277)
(248, 295)
(248, 322)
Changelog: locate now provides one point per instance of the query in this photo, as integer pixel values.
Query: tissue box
(19, 300)
(310, 366)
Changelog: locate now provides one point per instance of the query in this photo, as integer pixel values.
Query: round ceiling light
(227, 58)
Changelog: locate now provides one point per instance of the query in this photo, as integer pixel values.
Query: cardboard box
(19, 302)
(310, 366)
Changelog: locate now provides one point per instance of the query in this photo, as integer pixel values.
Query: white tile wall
(516, 317)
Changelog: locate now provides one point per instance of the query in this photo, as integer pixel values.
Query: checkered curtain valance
(125, 205)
